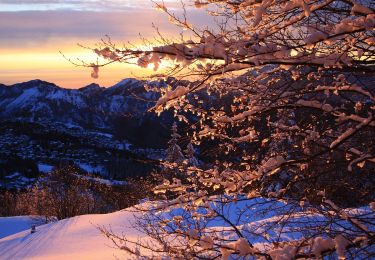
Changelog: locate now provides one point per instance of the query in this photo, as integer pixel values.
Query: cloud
(78, 5)
(36, 28)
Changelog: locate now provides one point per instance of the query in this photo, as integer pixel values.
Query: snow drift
(74, 238)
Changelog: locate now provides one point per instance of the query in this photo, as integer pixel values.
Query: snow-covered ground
(80, 238)
(16, 181)
(73, 238)
(45, 167)
(91, 169)
(12, 225)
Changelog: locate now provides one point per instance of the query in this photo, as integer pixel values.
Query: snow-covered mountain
(91, 106)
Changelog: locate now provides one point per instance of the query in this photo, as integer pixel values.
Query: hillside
(79, 237)
(74, 238)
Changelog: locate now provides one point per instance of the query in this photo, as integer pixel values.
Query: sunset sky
(32, 32)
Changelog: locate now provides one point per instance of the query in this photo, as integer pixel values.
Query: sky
(33, 32)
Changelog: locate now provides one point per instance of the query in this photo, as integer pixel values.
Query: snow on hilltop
(73, 238)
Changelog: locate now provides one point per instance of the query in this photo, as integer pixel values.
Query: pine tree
(174, 154)
(190, 155)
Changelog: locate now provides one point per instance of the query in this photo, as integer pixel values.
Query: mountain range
(120, 109)
(90, 106)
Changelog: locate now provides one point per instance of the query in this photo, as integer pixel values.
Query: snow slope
(79, 237)
(74, 238)
(12, 225)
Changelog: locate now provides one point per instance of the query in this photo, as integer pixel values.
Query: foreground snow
(74, 238)
(12, 225)
(80, 238)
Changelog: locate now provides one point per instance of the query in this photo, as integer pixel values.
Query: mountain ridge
(90, 106)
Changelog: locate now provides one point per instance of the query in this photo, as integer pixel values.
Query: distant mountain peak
(36, 83)
(93, 87)
(125, 82)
